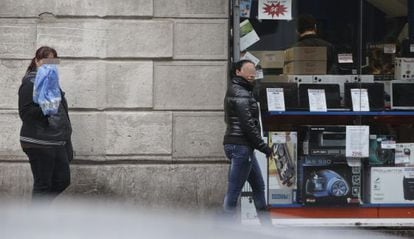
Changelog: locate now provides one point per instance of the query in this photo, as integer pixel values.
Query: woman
(241, 138)
(46, 131)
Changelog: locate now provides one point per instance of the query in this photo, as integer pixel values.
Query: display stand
(290, 120)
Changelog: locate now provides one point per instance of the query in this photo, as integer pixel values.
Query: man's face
(248, 72)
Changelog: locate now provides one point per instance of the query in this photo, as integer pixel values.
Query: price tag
(275, 99)
(357, 141)
(259, 74)
(345, 58)
(360, 101)
(317, 100)
(251, 57)
(388, 144)
(411, 47)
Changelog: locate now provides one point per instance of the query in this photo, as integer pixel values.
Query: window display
(330, 65)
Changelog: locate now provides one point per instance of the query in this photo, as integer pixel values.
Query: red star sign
(275, 9)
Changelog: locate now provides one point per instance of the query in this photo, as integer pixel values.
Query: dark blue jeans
(51, 173)
(244, 167)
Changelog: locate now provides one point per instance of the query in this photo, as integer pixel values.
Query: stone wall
(145, 81)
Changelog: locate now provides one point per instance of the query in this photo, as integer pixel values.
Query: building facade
(145, 82)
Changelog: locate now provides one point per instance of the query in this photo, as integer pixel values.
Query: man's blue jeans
(244, 167)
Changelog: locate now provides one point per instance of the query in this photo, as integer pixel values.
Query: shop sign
(275, 9)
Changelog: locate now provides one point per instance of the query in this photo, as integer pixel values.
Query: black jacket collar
(242, 82)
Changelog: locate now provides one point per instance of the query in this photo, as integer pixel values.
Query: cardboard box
(324, 140)
(404, 68)
(391, 185)
(306, 54)
(288, 78)
(305, 68)
(282, 167)
(270, 59)
(404, 154)
(381, 150)
(330, 181)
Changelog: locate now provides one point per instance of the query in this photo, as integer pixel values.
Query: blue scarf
(46, 91)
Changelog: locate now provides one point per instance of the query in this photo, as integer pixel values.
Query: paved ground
(96, 220)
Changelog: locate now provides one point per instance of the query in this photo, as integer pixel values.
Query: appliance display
(324, 140)
(404, 68)
(376, 95)
(330, 181)
(333, 79)
(408, 187)
(381, 150)
(300, 78)
(362, 78)
(404, 154)
(324, 183)
(402, 92)
(332, 94)
(282, 166)
(391, 185)
(290, 92)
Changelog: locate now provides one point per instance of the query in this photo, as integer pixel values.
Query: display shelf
(365, 205)
(293, 120)
(344, 212)
(340, 113)
(285, 120)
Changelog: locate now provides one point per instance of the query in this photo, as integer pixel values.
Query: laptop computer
(290, 92)
(402, 92)
(332, 94)
(376, 95)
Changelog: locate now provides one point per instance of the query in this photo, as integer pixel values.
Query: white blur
(94, 219)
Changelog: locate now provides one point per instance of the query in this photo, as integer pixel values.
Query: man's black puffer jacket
(242, 116)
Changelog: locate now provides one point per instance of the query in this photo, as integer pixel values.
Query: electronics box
(290, 78)
(305, 68)
(300, 78)
(269, 59)
(362, 78)
(391, 185)
(404, 154)
(333, 79)
(402, 92)
(330, 181)
(381, 150)
(306, 54)
(282, 167)
(324, 140)
(404, 68)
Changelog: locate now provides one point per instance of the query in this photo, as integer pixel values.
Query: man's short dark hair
(238, 65)
(306, 23)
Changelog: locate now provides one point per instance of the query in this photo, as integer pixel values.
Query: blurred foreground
(94, 219)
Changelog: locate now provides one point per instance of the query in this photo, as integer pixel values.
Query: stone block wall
(145, 81)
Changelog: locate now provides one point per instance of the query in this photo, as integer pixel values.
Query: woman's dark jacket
(242, 116)
(38, 129)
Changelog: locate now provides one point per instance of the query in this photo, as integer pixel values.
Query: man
(242, 137)
(306, 27)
